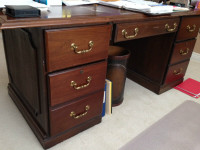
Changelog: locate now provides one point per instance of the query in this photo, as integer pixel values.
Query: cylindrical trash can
(116, 72)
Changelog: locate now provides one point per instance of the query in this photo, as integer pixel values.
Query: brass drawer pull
(184, 52)
(189, 28)
(125, 34)
(178, 72)
(74, 84)
(74, 48)
(75, 116)
(167, 27)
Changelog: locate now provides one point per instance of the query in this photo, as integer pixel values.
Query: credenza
(57, 62)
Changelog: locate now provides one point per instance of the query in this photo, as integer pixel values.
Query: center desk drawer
(75, 46)
(77, 82)
(73, 114)
(128, 31)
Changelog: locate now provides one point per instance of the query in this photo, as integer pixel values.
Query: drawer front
(182, 51)
(69, 116)
(176, 72)
(71, 47)
(189, 28)
(129, 31)
(77, 82)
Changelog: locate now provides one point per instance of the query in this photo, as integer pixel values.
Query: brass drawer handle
(184, 52)
(74, 84)
(189, 28)
(75, 116)
(74, 48)
(178, 72)
(167, 27)
(125, 34)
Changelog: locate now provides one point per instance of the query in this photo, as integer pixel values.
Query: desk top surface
(80, 15)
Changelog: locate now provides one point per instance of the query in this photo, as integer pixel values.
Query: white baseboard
(195, 56)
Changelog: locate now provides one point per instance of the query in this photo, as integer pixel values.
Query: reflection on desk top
(79, 15)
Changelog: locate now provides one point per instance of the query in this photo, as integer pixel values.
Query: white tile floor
(140, 109)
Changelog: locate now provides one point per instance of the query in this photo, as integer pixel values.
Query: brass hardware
(74, 84)
(74, 48)
(178, 72)
(75, 116)
(167, 27)
(184, 52)
(189, 28)
(125, 34)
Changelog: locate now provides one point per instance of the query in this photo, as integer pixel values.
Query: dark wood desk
(57, 63)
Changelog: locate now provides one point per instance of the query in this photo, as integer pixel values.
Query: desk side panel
(26, 73)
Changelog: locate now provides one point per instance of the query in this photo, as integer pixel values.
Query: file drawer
(189, 28)
(75, 46)
(73, 83)
(182, 51)
(176, 72)
(129, 31)
(75, 113)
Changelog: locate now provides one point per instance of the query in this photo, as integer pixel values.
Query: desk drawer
(182, 51)
(73, 114)
(189, 28)
(75, 46)
(129, 31)
(176, 72)
(77, 82)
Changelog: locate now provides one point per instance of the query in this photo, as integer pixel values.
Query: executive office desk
(57, 63)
